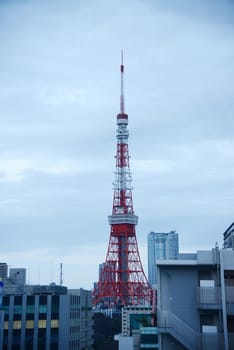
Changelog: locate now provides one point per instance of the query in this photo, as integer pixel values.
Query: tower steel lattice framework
(122, 279)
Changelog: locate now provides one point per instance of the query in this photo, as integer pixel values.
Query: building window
(30, 324)
(16, 324)
(43, 299)
(41, 323)
(43, 309)
(54, 339)
(41, 345)
(54, 323)
(30, 309)
(55, 307)
(28, 339)
(18, 309)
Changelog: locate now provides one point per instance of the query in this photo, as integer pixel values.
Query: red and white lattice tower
(122, 279)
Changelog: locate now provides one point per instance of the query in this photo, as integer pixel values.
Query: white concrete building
(196, 301)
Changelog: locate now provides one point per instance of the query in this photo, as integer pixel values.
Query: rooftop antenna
(61, 274)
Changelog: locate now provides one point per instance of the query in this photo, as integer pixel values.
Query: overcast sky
(59, 96)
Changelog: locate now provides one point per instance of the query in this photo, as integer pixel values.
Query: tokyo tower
(122, 279)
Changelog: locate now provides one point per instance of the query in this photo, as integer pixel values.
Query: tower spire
(122, 102)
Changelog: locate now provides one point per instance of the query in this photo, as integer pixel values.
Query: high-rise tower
(161, 245)
(122, 279)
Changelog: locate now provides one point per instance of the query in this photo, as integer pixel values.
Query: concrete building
(196, 301)
(48, 317)
(161, 245)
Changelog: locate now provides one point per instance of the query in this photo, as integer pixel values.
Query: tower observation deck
(122, 279)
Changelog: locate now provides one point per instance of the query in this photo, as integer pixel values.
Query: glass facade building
(161, 246)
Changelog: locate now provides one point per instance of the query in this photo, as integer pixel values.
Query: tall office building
(161, 246)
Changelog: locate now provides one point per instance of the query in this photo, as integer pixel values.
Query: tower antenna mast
(122, 102)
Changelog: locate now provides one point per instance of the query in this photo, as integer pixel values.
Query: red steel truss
(122, 279)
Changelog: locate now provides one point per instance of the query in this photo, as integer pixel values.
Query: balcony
(209, 298)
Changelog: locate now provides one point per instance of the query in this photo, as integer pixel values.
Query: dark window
(42, 316)
(30, 308)
(30, 317)
(6, 300)
(5, 339)
(55, 307)
(54, 339)
(18, 300)
(41, 339)
(230, 323)
(16, 339)
(5, 306)
(29, 339)
(17, 317)
(43, 299)
(30, 299)
(149, 339)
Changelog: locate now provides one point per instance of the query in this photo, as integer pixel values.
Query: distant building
(161, 246)
(49, 318)
(134, 317)
(195, 298)
(3, 270)
(138, 332)
(228, 237)
(1, 314)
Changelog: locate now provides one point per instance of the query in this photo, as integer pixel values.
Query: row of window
(30, 324)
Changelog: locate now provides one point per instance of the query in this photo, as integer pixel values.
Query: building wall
(178, 293)
(82, 319)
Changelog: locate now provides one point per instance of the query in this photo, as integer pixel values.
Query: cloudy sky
(59, 96)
